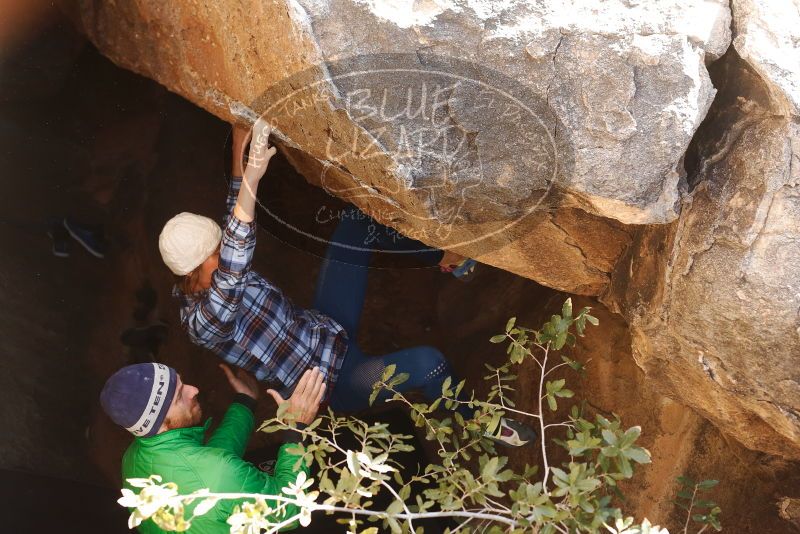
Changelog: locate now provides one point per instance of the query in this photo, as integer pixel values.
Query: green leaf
(505, 476)
(499, 338)
(374, 395)
(314, 424)
(625, 466)
(490, 468)
(459, 418)
(282, 409)
(638, 455)
(592, 320)
(610, 451)
(707, 484)
(545, 511)
(395, 508)
(609, 436)
(530, 471)
(586, 506)
(388, 372)
(566, 309)
(446, 385)
(398, 379)
(559, 474)
(551, 402)
(394, 525)
(510, 323)
(580, 326)
(631, 435)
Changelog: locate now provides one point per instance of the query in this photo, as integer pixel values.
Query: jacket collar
(194, 434)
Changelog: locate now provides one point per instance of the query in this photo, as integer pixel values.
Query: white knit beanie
(187, 240)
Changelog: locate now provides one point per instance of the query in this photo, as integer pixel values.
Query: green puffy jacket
(180, 456)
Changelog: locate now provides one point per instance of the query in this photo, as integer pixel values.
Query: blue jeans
(341, 289)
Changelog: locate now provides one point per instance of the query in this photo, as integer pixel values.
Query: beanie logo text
(155, 404)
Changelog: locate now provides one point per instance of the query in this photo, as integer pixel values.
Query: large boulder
(713, 299)
(613, 96)
(766, 38)
(626, 79)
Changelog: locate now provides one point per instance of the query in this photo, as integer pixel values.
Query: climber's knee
(434, 363)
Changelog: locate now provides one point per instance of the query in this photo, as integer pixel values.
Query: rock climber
(151, 401)
(238, 314)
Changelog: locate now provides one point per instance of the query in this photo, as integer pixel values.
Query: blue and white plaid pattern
(251, 324)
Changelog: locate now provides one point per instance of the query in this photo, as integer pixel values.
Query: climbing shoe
(92, 241)
(60, 237)
(511, 433)
(463, 270)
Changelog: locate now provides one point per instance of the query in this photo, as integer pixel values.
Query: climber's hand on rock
(304, 402)
(260, 151)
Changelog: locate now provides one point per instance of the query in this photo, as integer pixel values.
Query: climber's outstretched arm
(257, 162)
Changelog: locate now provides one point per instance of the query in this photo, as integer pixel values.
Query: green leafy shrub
(701, 511)
(577, 495)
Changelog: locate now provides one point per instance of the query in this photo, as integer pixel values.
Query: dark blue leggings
(341, 289)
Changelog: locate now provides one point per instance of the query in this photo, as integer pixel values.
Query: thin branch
(403, 399)
(313, 507)
(405, 506)
(423, 515)
(542, 427)
(689, 511)
(282, 524)
(459, 527)
(494, 405)
(498, 505)
(555, 367)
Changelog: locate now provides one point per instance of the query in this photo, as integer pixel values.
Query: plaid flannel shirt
(251, 324)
